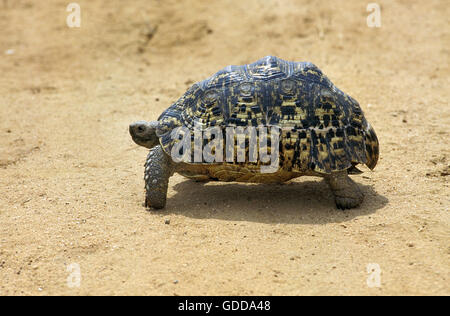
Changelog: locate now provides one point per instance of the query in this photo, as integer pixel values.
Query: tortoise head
(144, 133)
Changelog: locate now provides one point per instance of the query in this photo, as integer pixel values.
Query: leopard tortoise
(322, 131)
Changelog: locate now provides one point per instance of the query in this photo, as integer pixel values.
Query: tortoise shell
(322, 128)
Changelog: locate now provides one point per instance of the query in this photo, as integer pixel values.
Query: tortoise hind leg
(158, 170)
(347, 194)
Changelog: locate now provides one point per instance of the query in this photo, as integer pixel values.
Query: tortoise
(323, 130)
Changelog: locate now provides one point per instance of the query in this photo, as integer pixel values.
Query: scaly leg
(158, 169)
(347, 194)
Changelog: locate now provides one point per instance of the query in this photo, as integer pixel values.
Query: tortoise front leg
(158, 169)
(347, 194)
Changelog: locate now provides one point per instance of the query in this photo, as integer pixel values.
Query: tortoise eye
(210, 97)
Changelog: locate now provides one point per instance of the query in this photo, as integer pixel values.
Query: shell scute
(322, 128)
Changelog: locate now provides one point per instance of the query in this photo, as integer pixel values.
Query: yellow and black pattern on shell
(322, 128)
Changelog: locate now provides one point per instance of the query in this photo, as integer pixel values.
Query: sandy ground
(71, 180)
